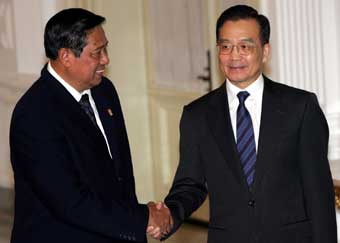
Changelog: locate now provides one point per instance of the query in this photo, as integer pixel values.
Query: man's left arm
(316, 175)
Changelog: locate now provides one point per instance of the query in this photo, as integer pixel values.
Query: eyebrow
(241, 40)
(102, 46)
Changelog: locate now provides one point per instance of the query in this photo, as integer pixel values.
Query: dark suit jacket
(291, 200)
(67, 187)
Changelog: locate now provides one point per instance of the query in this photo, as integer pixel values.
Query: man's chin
(235, 78)
(241, 83)
(96, 81)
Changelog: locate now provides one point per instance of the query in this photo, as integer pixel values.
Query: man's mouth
(236, 67)
(100, 72)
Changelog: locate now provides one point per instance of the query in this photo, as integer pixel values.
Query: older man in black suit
(69, 147)
(257, 147)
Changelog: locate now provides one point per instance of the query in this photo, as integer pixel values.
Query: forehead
(96, 37)
(240, 29)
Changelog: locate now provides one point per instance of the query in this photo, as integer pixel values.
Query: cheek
(90, 69)
(89, 65)
(223, 60)
(255, 62)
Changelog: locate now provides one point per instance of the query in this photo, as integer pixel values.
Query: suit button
(120, 179)
(251, 203)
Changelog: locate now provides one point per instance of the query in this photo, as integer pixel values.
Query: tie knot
(84, 98)
(242, 96)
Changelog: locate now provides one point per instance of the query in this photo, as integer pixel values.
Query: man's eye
(95, 54)
(226, 47)
(244, 47)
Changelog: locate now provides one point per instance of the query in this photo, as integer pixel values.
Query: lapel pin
(109, 111)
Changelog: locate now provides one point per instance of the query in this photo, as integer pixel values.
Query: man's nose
(235, 53)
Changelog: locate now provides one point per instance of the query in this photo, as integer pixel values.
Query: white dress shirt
(77, 96)
(253, 104)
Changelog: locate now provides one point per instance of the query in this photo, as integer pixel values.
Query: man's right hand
(160, 220)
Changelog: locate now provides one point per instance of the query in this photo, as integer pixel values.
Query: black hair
(239, 12)
(69, 29)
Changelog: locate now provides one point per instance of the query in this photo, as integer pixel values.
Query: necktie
(86, 106)
(245, 139)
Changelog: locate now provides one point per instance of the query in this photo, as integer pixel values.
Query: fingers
(160, 220)
(149, 229)
(154, 232)
(156, 236)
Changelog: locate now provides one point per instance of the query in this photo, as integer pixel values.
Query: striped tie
(245, 139)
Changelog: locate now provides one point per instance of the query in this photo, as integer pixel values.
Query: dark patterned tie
(245, 139)
(85, 104)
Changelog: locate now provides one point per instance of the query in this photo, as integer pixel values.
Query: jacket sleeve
(188, 190)
(316, 175)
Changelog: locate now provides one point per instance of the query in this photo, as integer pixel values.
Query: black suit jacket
(67, 187)
(291, 200)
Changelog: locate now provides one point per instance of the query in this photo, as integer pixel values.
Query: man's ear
(65, 56)
(266, 52)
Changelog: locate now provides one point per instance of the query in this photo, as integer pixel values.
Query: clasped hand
(160, 220)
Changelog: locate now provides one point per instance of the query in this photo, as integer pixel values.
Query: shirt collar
(76, 95)
(255, 90)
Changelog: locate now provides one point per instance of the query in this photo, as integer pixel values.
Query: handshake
(160, 220)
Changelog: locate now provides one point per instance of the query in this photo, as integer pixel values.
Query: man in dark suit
(69, 147)
(257, 147)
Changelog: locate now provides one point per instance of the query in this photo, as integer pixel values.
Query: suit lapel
(107, 116)
(270, 130)
(111, 118)
(220, 125)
